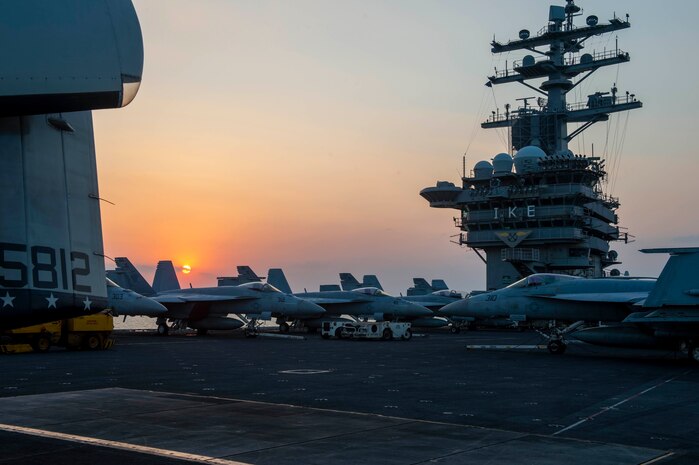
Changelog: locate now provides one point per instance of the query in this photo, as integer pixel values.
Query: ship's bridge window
(260, 287)
(370, 291)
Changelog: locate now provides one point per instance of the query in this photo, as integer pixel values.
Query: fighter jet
(349, 283)
(207, 308)
(60, 61)
(545, 299)
(422, 287)
(668, 318)
(125, 302)
(363, 302)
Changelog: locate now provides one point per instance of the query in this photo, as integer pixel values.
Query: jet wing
(664, 316)
(600, 297)
(433, 305)
(197, 298)
(330, 300)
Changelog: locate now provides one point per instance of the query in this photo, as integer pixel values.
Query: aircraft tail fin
(165, 278)
(439, 285)
(420, 287)
(276, 277)
(127, 276)
(371, 280)
(246, 275)
(348, 282)
(678, 283)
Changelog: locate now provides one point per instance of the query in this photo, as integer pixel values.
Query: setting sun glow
(186, 269)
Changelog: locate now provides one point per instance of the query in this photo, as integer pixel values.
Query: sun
(186, 269)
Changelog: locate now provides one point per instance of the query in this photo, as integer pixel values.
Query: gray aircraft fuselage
(556, 297)
(369, 302)
(252, 299)
(435, 300)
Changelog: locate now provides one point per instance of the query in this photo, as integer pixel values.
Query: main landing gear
(556, 344)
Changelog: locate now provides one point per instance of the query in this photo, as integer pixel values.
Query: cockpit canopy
(541, 279)
(369, 291)
(260, 287)
(449, 293)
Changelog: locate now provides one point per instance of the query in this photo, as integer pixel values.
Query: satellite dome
(527, 159)
(483, 170)
(502, 163)
(565, 153)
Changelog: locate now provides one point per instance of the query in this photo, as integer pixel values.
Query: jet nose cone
(418, 311)
(458, 308)
(309, 309)
(150, 307)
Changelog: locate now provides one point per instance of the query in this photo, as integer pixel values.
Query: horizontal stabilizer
(329, 287)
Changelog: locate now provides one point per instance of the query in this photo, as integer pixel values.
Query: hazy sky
(299, 134)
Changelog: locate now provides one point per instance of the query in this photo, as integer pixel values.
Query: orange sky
(299, 135)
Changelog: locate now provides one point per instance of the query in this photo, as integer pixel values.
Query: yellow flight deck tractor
(90, 332)
(385, 330)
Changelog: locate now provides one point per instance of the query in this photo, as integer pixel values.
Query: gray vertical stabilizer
(420, 287)
(127, 276)
(439, 285)
(349, 282)
(165, 278)
(678, 283)
(275, 277)
(371, 280)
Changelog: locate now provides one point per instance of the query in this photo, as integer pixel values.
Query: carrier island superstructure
(549, 213)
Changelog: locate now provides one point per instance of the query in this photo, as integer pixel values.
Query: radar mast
(548, 214)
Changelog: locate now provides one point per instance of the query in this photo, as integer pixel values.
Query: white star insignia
(87, 303)
(7, 300)
(52, 300)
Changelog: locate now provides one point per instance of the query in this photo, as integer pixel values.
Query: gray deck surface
(426, 400)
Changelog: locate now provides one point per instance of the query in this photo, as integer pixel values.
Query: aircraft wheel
(92, 342)
(454, 329)
(338, 333)
(556, 347)
(163, 329)
(387, 335)
(693, 352)
(42, 343)
(202, 332)
(250, 333)
(408, 334)
(283, 327)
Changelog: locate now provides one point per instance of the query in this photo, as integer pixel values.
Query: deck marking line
(118, 445)
(612, 407)
(658, 459)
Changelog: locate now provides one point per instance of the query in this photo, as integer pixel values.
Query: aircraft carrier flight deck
(227, 399)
